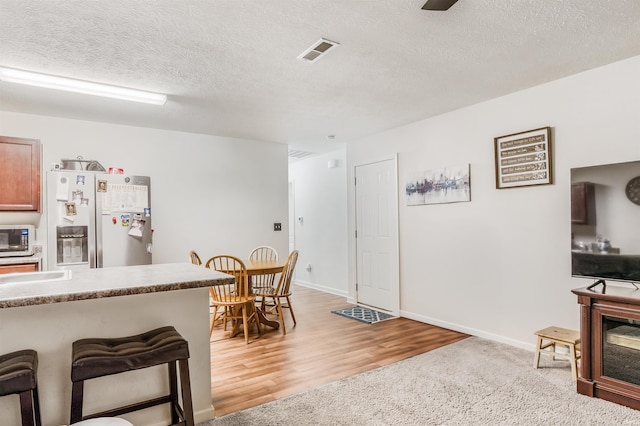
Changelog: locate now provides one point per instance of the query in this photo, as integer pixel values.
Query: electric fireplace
(610, 341)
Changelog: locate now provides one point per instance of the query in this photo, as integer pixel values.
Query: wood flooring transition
(323, 347)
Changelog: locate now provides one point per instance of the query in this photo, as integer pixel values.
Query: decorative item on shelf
(79, 163)
(633, 190)
(604, 245)
(580, 246)
(524, 159)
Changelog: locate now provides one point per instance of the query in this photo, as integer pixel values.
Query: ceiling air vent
(299, 154)
(438, 4)
(317, 50)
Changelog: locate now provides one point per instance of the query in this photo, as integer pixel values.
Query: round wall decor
(633, 190)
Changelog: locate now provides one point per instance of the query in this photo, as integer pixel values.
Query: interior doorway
(292, 216)
(377, 259)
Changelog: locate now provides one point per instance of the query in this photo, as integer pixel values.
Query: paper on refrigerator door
(125, 198)
(62, 189)
(137, 226)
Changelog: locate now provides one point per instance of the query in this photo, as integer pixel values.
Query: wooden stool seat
(18, 376)
(551, 337)
(92, 358)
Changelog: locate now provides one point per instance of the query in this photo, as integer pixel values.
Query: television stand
(610, 342)
(604, 285)
(597, 283)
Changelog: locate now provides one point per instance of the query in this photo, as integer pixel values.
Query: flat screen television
(605, 222)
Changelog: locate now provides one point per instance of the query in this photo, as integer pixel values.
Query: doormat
(367, 315)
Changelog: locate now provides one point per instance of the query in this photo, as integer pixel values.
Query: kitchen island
(48, 316)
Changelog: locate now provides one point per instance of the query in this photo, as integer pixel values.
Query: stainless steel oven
(17, 240)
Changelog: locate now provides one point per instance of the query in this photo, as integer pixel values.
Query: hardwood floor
(322, 348)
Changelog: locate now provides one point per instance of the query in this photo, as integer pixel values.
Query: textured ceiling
(230, 68)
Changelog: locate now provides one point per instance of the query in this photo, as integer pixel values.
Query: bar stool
(18, 376)
(92, 358)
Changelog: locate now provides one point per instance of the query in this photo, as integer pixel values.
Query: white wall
(499, 266)
(321, 200)
(212, 194)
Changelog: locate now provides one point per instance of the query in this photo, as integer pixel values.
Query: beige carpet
(472, 382)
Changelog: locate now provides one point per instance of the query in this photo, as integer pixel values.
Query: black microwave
(17, 240)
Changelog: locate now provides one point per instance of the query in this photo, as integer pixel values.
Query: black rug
(359, 313)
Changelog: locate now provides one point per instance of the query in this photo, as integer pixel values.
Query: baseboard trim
(199, 416)
(314, 286)
(204, 415)
(468, 330)
(530, 346)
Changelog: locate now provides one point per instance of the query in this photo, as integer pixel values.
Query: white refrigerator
(97, 220)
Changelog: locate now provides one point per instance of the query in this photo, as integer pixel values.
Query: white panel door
(377, 263)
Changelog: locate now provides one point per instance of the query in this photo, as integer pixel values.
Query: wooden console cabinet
(610, 341)
(19, 174)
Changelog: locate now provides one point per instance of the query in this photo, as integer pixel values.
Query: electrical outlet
(277, 227)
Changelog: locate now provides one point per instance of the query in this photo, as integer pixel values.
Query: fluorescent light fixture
(78, 86)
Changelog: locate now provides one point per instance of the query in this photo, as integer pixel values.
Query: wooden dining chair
(281, 291)
(194, 258)
(235, 299)
(263, 253)
(216, 311)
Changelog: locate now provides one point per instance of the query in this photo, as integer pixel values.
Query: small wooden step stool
(549, 337)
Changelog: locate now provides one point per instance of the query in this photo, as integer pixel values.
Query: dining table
(254, 268)
(263, 267)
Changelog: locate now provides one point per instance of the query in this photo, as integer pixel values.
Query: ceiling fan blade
(438, 4)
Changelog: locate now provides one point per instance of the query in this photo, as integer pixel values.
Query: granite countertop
(111, 282)
(36, 257)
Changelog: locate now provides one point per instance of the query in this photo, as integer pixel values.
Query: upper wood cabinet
(19, 174)
(583, 203)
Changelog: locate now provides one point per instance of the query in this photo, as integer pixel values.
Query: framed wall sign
(524, 159)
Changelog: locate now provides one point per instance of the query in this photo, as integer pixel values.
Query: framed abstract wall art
(448, 184)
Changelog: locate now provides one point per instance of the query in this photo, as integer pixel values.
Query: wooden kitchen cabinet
(583, 203)
(20, 267)
(19, 174)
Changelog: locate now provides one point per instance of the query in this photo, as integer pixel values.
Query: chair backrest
(194, 258)
(231, 265)
(263, 253)
(287, 273)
